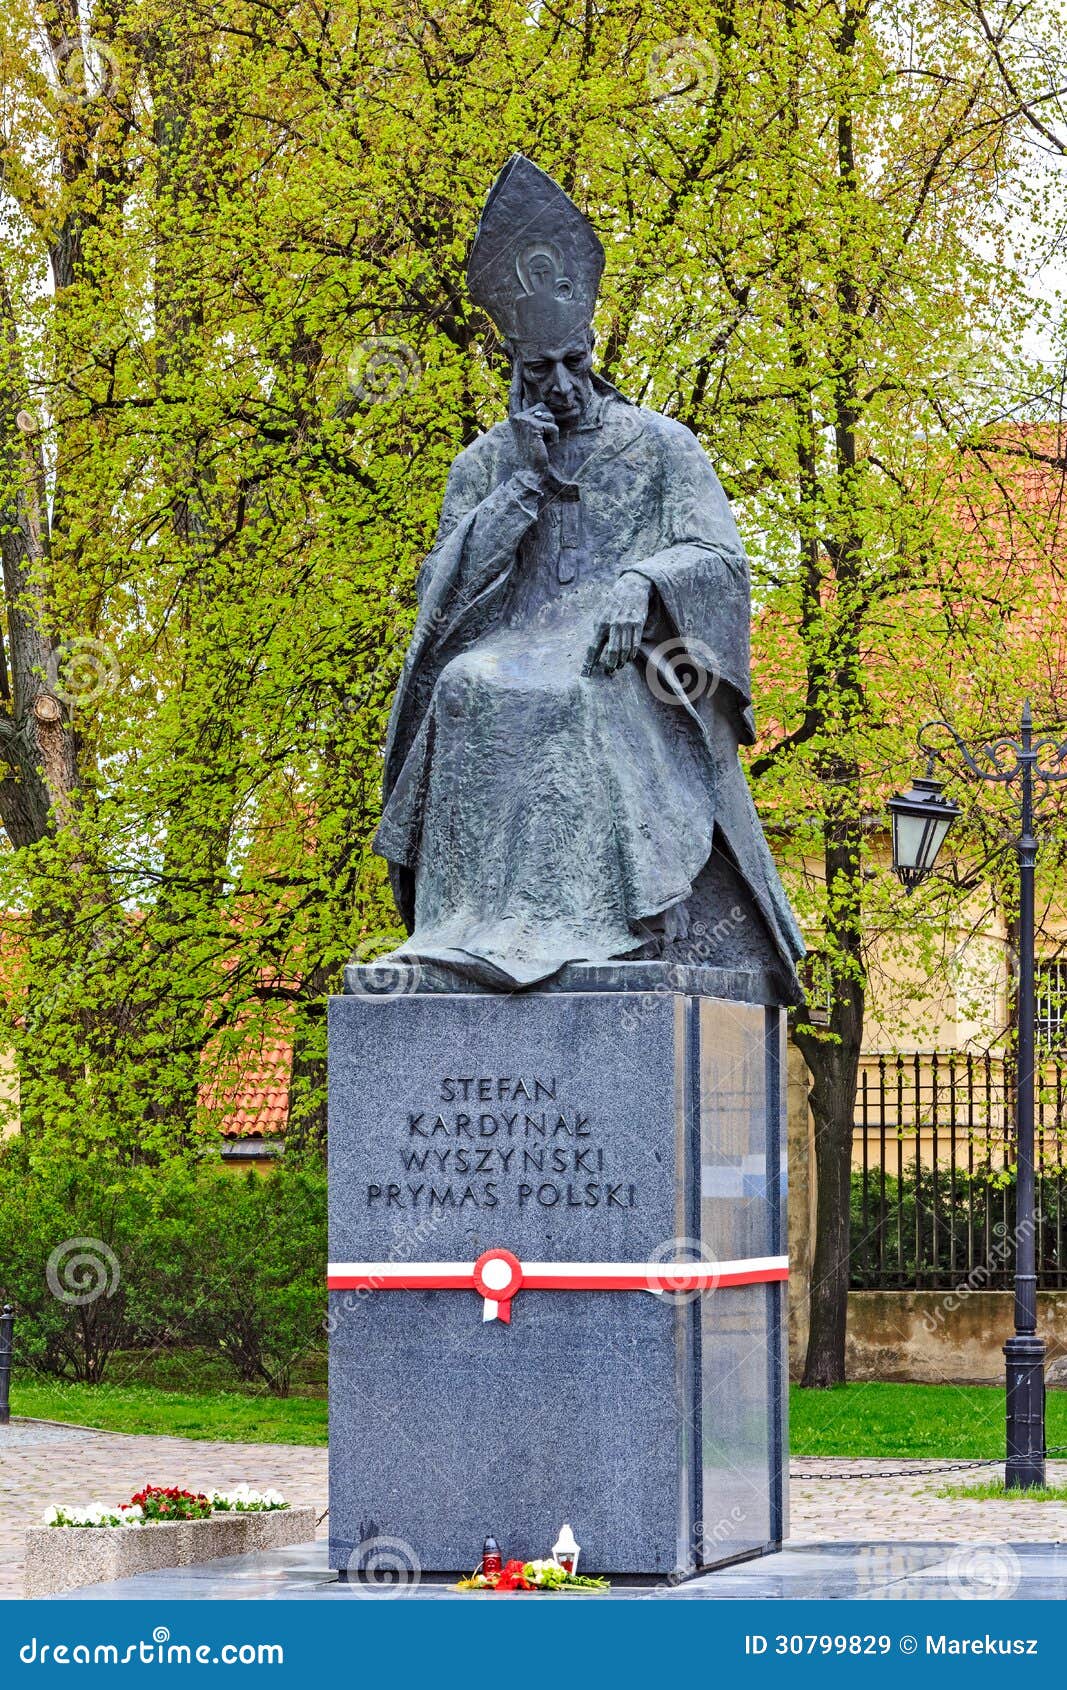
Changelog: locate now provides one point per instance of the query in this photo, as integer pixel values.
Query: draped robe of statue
(535, 815)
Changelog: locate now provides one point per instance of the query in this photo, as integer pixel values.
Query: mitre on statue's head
(536, 262)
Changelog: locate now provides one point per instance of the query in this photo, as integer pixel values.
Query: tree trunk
(833, 1055)
(305, 1132)
(38, 768)
(834, 1067)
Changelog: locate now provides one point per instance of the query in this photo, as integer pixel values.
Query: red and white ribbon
(497, 1275)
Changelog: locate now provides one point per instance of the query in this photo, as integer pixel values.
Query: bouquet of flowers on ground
(532, 1575)
(245, 1501)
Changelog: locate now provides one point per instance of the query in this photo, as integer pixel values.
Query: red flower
(511, 1578)
(159, 1501)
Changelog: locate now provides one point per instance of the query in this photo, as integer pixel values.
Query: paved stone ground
(842, 1509)
(41, 1463)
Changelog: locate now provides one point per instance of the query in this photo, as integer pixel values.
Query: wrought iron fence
(933, 1174)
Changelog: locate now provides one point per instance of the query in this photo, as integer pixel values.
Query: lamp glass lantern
(565, 1551)
(921, 819)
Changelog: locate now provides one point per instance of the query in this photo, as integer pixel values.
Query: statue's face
(560, 377)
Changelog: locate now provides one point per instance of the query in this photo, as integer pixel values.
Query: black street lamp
(921, 819)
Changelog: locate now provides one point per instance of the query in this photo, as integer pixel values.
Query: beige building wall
(9, 1094)
(938, 1337)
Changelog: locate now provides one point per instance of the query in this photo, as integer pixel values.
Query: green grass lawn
(183, 1399)
(234, 1416)
(955, 1422)
(996, 1491)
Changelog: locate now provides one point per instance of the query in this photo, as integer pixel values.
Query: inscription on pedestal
(531, 1146)
(544, 1125)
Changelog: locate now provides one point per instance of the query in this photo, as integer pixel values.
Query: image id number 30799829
(815, 1643)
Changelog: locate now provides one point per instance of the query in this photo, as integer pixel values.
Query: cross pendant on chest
(568, 500)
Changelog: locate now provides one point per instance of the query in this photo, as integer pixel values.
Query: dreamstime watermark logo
(42, 1008)
(384, 1566)
(703, 945)
(158, 1650)
(104, 336)
(86, 70)
(81, 670)
(382, 368)
(982, 1274)
(82, 1270)
(410, 1240)
(680, 671)
(375, 975)
(675, 1253)
(984, 1571)
(44, 1005)
(684, 71)
(705, 1537)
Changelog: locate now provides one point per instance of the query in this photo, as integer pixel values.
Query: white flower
(85, 1514)
(103, 1514)
(247, 1501)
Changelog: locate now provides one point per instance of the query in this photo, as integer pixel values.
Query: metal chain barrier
(915, 1472)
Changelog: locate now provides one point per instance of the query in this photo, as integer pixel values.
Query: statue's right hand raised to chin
(536, 430)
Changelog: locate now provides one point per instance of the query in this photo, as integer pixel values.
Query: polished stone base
(839, 1571)
(593, 1126)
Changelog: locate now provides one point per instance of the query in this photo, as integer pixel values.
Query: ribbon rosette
(497, 1275)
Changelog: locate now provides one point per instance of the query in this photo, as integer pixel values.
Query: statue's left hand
(619, 634)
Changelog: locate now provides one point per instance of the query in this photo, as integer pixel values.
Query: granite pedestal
(627, 1115)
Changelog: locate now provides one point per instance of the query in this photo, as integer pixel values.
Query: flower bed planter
(66, 1557)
